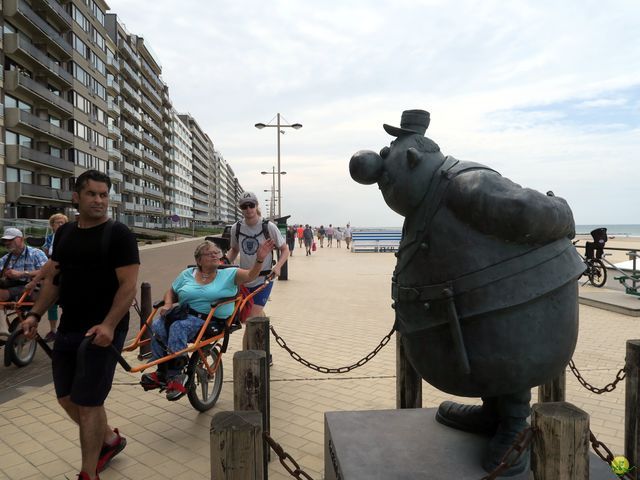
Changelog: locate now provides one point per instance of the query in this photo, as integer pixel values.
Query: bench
(375, 240)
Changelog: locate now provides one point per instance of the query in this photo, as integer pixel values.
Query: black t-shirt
(87, 280)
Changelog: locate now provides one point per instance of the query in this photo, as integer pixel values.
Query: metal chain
(295, 471)
(607, 388)
(280, 341)
(511, 456)
(607, 457)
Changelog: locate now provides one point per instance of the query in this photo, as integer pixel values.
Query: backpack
(265, 231)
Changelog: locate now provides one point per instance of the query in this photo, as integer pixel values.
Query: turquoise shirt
(200, 297)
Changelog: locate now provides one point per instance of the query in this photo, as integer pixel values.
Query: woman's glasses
(247, 205)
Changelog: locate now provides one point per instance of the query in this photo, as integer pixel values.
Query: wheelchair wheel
(203, 389)
(19, 349)
(597, 273)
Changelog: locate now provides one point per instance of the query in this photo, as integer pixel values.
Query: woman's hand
(164, 309)
(264, 250)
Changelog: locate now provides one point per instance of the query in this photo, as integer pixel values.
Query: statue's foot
(468, 418)
(501, 442)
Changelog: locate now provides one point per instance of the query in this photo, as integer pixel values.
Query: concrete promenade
(333, 310)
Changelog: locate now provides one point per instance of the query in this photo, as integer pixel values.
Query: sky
(545, 92)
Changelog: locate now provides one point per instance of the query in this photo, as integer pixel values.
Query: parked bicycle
(595, 269)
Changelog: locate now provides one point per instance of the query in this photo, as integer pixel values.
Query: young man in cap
(19, 266)
(246, 236)
(98, 262)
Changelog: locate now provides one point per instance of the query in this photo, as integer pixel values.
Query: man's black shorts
(92, 388)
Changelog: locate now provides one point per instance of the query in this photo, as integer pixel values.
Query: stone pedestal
(408, 444)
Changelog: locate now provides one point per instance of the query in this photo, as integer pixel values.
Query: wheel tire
(597, 273)
(7, 356)
(203, 392)
(19, 349)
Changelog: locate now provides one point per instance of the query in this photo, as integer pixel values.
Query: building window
(12, 102)
(56, 183)
(12, 138)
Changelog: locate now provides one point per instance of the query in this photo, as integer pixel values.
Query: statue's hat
(412, 121)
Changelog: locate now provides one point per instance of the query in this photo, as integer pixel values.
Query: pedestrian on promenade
(19, 265)
(55, 221)
(291, 239)
(308, 238)
(300, 233)
(347, 235)
(196, 288)
(321, 234)
(98, 261)
(338, 234)
(246, 237)
(330, 233)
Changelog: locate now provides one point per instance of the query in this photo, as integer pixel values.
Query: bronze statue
(484, 288)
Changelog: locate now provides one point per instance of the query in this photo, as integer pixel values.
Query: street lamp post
(273, 174)
(279, 126)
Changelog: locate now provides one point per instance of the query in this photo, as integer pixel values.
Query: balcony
(113, 107)
(113, 64)
(15, 154)
(152, 142)
(129, 72)
(129, 206)
(151, 109)
(113, 85)
(199, 196)
(152, 209)
(200, 217)
(126, 49)
(115, 197)
(114, 132)
(114, 154)
(55, 11)
(130, 129)
(130, 93)
(151, 157)
(129, 167)
(128, 108)
(151, 124)
(150, 174)
(149, 90)
(129, 148)
(115, 175)
(153, 193)
(20, 118)
(151, 75)
(20, 8)
(16, 82)
(22, 48)
(17, 190)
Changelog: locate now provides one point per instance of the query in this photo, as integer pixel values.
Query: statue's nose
(365, 167)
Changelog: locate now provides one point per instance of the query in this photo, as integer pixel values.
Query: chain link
(280, 341)
(607, 457)
(511, 456)
(606, 389)
(294, 469)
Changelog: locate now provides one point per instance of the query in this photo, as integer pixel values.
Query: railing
(114, 153)
(113, 84)
(124, 47)
(375, 240)
(16, 153)
(113, 62)
(129, 72)
(130, 92)
(16, 190)
(153, 158)
(152, 209)
(13, 42)
(150, 90)
(130, 110)
(150, 174)
(113, 107)
(151, 74)
(15, 79)
(57, 9)
(150, 107)
(151, 141)
(150, 123)
(115, 197)
(115, 175)
(51, 33)
(15, 116)
(113, 130)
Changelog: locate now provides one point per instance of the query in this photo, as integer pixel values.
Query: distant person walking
(330, 233)
(321, 234)
(291, 239)
(338, 234)
(347, 235)
(300, 233)
(308, 238)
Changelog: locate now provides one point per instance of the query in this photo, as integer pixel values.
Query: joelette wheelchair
(203, 368)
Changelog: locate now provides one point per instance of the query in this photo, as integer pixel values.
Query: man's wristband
(33, 314)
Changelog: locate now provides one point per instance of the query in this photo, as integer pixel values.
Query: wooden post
(561, 443)
(236, 446)
(145, 311)
(258, 336)
(408, 381)
(555, 390)
(249, 388)
(631, 415)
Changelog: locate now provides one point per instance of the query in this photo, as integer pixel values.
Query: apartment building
(79, 91)
(179, 169)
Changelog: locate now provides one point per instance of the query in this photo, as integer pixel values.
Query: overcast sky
(545, 92)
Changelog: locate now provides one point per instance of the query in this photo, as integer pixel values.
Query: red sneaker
(150, 381)
(109, 451)
(176, 387)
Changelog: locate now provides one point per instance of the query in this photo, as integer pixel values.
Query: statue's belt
(493, 288)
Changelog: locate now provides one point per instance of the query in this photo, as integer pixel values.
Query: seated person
(599, 236)
(198, 287)
(19, 266)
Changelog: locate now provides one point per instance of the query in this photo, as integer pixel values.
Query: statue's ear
(413, 158)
